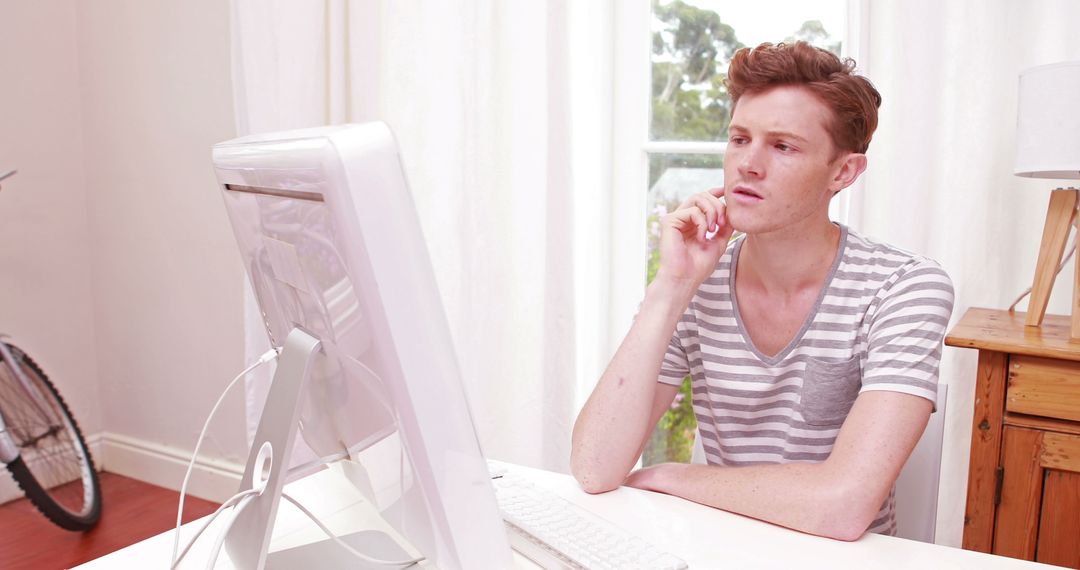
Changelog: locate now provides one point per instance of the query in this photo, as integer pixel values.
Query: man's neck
(784, 263)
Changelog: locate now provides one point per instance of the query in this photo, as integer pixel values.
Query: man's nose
(751, 161)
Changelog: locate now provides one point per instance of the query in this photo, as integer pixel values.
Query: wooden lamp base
(1060, 216)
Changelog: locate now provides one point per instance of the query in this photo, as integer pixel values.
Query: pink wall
(118, 268)
(156, 93)
(46, 258)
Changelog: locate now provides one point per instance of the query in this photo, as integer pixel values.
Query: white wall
(156, 93)
(46, 268)
(120, 272)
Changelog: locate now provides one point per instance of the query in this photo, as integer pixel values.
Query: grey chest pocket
(829, 390)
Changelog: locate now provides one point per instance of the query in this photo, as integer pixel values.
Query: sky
(757, 21)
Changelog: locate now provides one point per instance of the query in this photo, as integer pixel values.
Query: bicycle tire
(52, 496)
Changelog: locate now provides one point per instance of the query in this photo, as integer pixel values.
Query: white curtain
(501, 111)
(940, 179)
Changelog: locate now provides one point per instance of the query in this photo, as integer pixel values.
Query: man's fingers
(714, 192)
(710, 207)
(700, 222)
(724, 230)
(717, 202)
(703, 214)
(708, 202)
(688, 221)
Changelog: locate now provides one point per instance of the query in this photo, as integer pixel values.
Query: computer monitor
(333, 247)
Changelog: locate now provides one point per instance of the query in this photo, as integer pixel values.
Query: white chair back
(697, 454)
(917, 485)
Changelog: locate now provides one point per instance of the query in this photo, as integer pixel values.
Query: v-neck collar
(811, 315)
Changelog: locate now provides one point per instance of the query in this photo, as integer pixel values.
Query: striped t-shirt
(878, 324)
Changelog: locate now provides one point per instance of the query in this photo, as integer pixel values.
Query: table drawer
(1043, 387)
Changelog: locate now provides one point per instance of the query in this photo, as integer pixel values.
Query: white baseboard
(211, 479)
(164, 466)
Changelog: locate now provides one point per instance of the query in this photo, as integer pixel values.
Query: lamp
(1048, 146)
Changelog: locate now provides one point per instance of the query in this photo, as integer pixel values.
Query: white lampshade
(1048, 122)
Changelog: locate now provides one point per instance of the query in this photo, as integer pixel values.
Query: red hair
(852, 98)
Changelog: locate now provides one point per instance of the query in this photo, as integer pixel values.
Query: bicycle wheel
(54, 467)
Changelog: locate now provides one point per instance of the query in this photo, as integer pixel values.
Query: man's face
(781, 168)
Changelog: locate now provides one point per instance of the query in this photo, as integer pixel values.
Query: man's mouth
(744, 191)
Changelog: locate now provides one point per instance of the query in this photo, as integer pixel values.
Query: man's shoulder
(878, 256)
(895, 272)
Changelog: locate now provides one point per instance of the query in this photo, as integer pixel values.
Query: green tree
(690, 45)
(813, 32)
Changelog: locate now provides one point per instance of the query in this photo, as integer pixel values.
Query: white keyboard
(557, 534)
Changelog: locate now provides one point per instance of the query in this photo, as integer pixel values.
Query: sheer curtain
(500, 109)
(940, 180)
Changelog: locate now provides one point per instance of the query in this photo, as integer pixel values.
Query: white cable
(245, 497)
(354, 552)
(266, 357)
(216, 551)
(228, 503)
(1068, 256)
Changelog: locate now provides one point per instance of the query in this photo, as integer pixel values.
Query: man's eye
(783, 147)
(737, 140)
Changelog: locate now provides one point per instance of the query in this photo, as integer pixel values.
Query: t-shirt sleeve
(675, 365)
(907, 330)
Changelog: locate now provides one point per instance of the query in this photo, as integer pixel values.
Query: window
(676, 141)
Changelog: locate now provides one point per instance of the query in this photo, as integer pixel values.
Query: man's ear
(849, 167)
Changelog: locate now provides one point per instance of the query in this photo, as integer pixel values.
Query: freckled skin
(794, 176)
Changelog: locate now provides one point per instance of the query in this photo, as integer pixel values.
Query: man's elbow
(592, 479)
(848, 530)
(594, 486)
(845, 517)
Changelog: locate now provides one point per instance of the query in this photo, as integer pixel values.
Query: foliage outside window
(692, 45)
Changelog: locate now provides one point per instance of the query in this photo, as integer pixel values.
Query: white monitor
(332, 244)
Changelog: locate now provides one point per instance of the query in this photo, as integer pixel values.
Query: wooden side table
(1023, 497)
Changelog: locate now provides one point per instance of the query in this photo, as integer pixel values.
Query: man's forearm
(809, 497)
(610, 429)
(838, 498)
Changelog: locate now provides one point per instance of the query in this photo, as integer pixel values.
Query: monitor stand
(248, 540)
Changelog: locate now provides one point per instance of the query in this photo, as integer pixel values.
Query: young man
(813, 351)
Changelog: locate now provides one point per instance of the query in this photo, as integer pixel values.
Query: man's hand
(649, 478)
(693, 237)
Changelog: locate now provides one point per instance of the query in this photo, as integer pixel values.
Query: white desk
(704, 537)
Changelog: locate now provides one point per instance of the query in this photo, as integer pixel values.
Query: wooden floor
(131, 511)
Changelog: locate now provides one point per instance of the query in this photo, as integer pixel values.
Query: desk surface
(702, 536)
